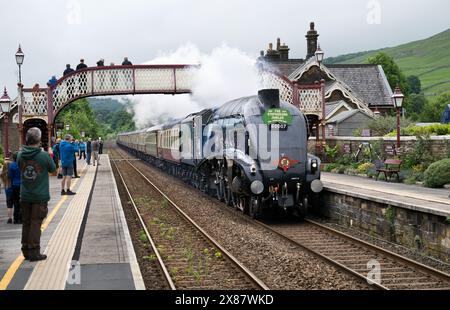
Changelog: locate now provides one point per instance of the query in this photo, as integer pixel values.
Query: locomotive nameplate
(277, 116)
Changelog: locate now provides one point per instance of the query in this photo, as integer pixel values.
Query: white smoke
(225, 74)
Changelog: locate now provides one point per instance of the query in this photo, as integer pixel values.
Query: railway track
(187, 256)
(360, 258)
(352, 255)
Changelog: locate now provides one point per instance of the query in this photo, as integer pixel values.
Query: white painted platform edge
(135, 270)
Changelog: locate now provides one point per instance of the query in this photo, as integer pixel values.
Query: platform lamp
(5, 103)
(397, 99)
(319, 55)
(20, 56)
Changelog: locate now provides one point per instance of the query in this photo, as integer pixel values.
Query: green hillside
(428, 59)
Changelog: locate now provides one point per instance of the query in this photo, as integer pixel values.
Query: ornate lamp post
(397, 99)
(20, 56)
(319, 55)
(5, 103)
(319, 58)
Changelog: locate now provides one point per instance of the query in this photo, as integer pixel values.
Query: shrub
(330, 167)
(381, 126)
(418, 154)
(433, 130)
(331, 152)
(365, 167)
(357, 132)
(438, 174)
(345, 160)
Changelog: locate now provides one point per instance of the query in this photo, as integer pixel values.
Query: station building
(348, 87)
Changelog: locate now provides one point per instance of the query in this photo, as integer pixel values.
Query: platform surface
(428, 200)
(85, 237)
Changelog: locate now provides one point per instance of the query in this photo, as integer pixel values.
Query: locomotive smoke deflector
(270, 98)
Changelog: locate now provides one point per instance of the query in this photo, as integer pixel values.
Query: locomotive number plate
(279, 127)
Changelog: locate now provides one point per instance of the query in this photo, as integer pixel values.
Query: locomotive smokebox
(270, 98)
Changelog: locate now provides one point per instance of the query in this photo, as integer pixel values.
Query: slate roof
(366, 81)
(330, 106)
(285, 67)
(343, 116)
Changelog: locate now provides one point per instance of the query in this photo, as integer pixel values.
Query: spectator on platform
(68, 70)
(75, 155)
(6, 181)
(14, 176)
(52, 82)
(82, 149)
(95, 146)
(100, 145)
(66, 150)
(126, 62)
(35, 166)
(88, 151)
(101, 63)
(81, 65)
(57, 157)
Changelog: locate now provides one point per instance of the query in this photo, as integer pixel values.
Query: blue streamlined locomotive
(250, 153)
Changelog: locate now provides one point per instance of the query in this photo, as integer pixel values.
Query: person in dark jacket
(6, 181)
(81, 65)
(57, 157)
(101, 63)
(126, 62)
(100, 146)
(14, 176)
(76, 149)
(67, 152)
(68, 70)
(35, 166)
(88, 151)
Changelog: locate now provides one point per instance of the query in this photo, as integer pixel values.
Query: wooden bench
(391, 167)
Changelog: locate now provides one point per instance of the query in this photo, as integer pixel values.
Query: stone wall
(438, 146)
(427, 233)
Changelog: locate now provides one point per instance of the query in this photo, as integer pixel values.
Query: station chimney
(311, 41)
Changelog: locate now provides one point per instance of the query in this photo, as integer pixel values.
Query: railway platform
(412, 197)
(85, 237)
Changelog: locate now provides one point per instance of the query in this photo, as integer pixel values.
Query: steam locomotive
(250, 153)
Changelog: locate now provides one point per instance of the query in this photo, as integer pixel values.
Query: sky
(55, 32)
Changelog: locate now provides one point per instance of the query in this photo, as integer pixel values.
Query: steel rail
(318, 254)
(161, 264)
(256, 281)
(411, 263)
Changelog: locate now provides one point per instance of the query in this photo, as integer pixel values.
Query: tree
(414, 84)
(433, 109)
(414, 105)
(81, 118)
(392, 70)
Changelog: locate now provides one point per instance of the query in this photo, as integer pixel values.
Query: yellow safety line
(11, 272)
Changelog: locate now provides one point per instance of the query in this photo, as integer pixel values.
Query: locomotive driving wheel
(227, 194)
(219, 188)
(255, 207)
